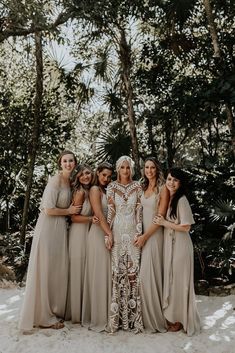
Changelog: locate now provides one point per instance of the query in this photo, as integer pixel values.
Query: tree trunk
(231, 124)
(7, 215)
(150, 135)
(36, 131)
(218, 54)
(169, 144)
(125, 59)
(212, 28)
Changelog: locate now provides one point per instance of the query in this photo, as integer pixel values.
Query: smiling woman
(125, 220)
(77, 242)
(46, 285)
(97, 286)
(179, 303)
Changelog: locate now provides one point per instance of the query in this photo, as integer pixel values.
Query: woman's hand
(140, 241)
(160, 220)
(108, 240)
(95, 220)
(74, 209)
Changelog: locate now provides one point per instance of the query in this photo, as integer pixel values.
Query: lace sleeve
(111, 205)
(138, 212)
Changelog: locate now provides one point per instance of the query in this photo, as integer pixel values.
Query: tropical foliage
(136, 77)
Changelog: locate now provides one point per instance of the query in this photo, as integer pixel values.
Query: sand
(217, 336)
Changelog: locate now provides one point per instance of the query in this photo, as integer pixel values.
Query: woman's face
(150, 170)
(172, 184)
(104, 177)
(67, 163)
(125, 171)
(85, 177)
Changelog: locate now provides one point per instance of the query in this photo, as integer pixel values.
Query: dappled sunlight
(188, 346)
(211, 320)
(14, 299)
(9, 310)
(217, 335)
(228, 322)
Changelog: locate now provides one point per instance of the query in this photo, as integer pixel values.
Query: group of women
(125, 261)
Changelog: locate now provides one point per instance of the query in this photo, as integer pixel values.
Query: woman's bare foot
(56, 326)
(177, 326)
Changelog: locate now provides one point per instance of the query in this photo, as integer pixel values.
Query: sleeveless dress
(77, 257)
(97, 287)
(151, 270)
(125, 219)
(46, 285)
(179, 302)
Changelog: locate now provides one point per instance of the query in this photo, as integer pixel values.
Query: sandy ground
(217, 336)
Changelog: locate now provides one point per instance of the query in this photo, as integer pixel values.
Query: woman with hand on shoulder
(154, 200)
(97, 286)
(46, 286)
(179, 304)
(77, 242)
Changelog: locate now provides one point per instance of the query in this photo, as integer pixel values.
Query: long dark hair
(182, 191)
(75, 178)
(100, 168)
(159, 177)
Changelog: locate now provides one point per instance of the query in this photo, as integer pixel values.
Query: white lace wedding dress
(125, 219)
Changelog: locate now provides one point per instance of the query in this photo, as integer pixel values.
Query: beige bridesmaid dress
(77, 256)
(46, 285)
(151, 270)
(179, 302)
(98, 278)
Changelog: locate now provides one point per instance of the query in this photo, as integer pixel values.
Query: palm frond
(113, 144)
(223, 211)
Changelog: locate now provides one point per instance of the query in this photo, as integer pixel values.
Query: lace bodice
(124, 204)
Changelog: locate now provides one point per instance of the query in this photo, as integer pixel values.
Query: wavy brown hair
(76, 174)
(160, 181)
(100, 168)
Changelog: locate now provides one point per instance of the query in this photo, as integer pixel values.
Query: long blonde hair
(129, 161)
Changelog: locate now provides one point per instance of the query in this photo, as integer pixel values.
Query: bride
(125, 219)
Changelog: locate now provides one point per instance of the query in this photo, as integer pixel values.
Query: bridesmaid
(77, 242)
(97, 287)
(46, 285)
(179, 304)
(154, 201)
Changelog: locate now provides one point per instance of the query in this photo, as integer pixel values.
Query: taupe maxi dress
(151, 270)
(179, 302)
(98, 279)
(46, 285)
(77, 257)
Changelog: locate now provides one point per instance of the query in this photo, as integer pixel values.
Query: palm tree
(35, 131)
(218, 55)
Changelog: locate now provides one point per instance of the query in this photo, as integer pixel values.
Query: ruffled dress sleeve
(50, 194)
(184, 212)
